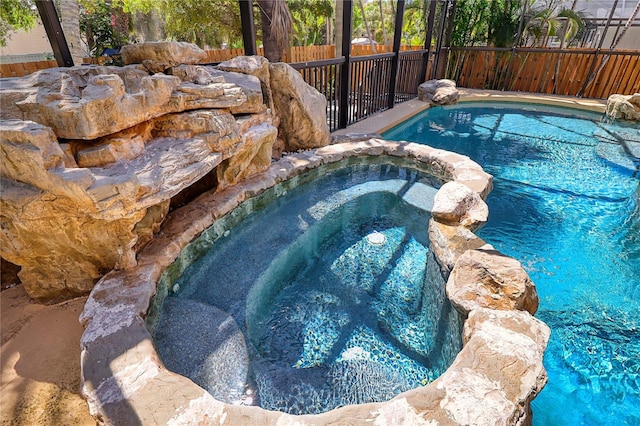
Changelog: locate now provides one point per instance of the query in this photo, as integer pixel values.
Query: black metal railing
(409, 78)
(369, 83)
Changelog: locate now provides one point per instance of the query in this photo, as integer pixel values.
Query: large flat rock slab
(94, 101)
(160, 55)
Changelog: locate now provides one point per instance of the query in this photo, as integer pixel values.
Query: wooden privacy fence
(24, 68)
(367, 49)
(293, 54)
(307, 53)
(588, 73)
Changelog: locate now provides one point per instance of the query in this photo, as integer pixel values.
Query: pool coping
(125, 382)
(385, 120)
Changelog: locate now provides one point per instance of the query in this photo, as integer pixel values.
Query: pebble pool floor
(563, 205)
(331, 287)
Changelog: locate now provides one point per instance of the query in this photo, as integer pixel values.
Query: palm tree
(368, 28)
(69, 14)
(547, 22)
(276, 27)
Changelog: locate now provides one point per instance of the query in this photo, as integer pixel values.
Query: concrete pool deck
(381, 122)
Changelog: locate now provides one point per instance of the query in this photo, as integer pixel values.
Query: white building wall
(26, 45)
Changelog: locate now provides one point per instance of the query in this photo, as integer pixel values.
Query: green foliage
(102, 26)
(549, 20)
(310, 21)
(16, 15)
(379, 24)
(486, 22)
(414, 23)
(495, 22)
(203, 22)
(414, 28)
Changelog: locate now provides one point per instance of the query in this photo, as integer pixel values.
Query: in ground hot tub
(334, 294)
(325, 296)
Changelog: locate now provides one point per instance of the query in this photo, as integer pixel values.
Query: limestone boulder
(205, 75)
(257, 66)
(67, 226)
(121, 146)
(161, 55)
(489, 279)
(499, 372)
(61, 249)
(439, 92)
(86, 102)
(449, 242)
(197, 74)
(624, 107)
(253, 154)
(300, 108)
(456, 203)
(215, 95)
(74, 213)
(218, 128)
(251, 87)
(32, 157)
(91, 102)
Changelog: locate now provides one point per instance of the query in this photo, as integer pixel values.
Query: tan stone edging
(492, 380)
(386, 120)
(584, 104)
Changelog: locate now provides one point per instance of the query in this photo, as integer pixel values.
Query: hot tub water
(325, 296)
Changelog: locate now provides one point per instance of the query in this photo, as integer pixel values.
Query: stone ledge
(475, 389)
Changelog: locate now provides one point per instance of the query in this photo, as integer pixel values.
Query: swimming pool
(565, 204)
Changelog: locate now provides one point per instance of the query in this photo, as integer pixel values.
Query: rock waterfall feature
(93, 155)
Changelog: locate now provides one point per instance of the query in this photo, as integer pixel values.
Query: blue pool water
(565, 204)
(323, 296)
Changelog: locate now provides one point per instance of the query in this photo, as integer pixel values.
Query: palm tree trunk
(366, 25)
(384, 30)
(563, 39)
(148, 26)
(69, 13)
(276, 27)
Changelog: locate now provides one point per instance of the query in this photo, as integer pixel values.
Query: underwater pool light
(376, 238)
